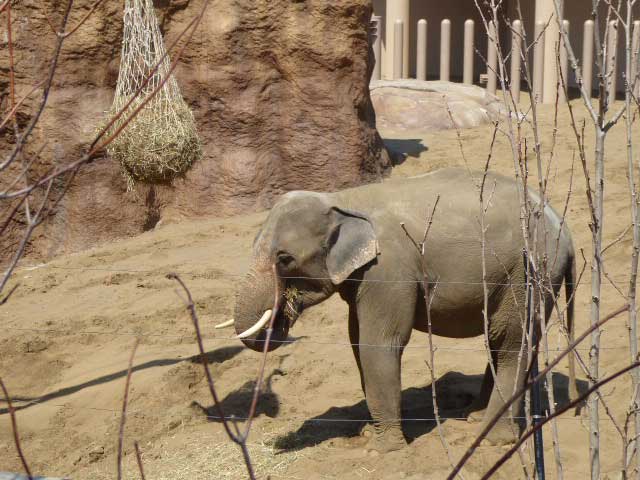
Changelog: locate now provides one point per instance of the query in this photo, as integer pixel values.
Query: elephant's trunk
(254, 301)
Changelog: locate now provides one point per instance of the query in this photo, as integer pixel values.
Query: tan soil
(68, 331)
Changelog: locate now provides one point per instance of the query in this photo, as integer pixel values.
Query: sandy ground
(68, 331)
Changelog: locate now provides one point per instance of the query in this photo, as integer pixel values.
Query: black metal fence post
(536, 403)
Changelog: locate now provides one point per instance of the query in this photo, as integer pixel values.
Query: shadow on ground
(561, 392)
(238, 403)
(218, 355)
(402, 148)
(455, 393)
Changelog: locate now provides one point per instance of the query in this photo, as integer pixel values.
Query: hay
(161, 142)
(149, 151)
(200, 455)
(292, 304)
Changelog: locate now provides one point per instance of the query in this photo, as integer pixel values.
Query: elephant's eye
(286, 260)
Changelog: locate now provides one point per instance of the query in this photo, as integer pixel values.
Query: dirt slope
(68, 331)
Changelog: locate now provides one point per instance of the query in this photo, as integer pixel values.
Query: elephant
(352, 242)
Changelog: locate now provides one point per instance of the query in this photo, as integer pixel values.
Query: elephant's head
(315, 246)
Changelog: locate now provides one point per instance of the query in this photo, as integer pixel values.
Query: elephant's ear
(352, 244)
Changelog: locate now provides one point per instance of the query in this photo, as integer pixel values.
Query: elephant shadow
(219, 355)
(238, 403)
(455, 392)
(561, 392)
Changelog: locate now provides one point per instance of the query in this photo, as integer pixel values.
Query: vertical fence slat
(587, 56)
(445, 50)
(636, 58)
(376, 32)
(492, 58)
(398, 52)
(516, 59)
(467, 72)
(612, 59)
(538, 61)
(421, 60)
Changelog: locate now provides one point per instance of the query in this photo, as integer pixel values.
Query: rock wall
(279, 90)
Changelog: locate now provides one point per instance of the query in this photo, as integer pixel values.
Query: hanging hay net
(161, 141)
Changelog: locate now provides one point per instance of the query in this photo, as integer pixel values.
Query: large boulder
(279, 90)
(425, 106)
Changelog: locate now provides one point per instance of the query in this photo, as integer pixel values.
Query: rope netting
(161, 141)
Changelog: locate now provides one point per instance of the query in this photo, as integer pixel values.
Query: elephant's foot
(368, 430)
(386, 439)
(475, 416)
(476, 411)
(504, 432)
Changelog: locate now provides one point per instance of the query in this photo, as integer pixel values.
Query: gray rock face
(422, 106)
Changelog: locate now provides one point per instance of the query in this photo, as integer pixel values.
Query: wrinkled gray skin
(339, 239)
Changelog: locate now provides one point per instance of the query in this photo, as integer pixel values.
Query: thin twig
(429, 294)
(277, 304)
(618, 239)
(5, 299)
(12, 88)
(20, 141)
(559, 412)
(139, 460)
(125, 401)
(527, 385)
(95, 148)
(14, 427)
(82, 21)
(19, 103)
(238, 437)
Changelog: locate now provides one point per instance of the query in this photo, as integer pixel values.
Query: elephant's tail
(570, 288)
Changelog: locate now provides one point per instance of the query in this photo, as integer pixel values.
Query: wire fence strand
(287, 418)
(295, 340)
(226, 275)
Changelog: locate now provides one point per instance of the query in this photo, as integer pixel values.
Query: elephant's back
(458, 190)
(410, 200)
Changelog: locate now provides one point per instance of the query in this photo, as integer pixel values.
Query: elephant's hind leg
(505, 341)
(476, 411)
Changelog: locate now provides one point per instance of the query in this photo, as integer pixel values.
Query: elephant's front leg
(384, 329)
(381, 374)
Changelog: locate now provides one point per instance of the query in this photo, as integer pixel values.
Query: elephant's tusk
(228, 323)
(261, 323)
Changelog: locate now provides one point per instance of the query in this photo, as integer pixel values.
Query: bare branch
(125, 400)
(238, 437)
(527, 385)
(5, 299)
(14, 426)
(20, 141)
(94, 147)
(19, 103)
(618, 239)
(559, 412)
(139, 460)
(82, 21)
